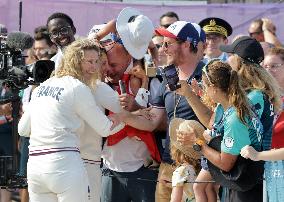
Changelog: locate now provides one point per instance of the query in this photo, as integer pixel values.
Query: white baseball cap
(135, 30)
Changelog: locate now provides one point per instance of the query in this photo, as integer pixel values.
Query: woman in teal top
(261, 88)
(222, 86)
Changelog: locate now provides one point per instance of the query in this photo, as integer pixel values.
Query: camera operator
(6, 139)
(5, 128)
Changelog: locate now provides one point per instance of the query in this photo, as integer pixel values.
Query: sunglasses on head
(110, 43)
(205, 69)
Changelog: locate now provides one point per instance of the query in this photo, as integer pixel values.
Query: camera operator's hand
(6, 109)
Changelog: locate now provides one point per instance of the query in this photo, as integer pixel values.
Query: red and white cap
(181, 30)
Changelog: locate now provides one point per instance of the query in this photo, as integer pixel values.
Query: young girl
(185, 160)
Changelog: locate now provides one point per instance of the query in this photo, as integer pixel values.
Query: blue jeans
(24, 150)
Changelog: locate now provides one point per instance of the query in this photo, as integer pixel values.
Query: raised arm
(108, 28)
(269, 32)
(202, 112)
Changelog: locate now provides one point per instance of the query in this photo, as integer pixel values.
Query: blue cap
(181, 30)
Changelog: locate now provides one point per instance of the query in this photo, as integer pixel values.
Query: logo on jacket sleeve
(229, 142)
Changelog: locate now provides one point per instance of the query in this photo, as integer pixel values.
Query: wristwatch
(198, 144)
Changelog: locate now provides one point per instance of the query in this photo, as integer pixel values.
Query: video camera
(13, 70)
(17, 75)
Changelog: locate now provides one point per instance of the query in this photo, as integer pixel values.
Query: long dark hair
(222, 76)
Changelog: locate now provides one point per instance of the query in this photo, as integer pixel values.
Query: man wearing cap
(217, 30)
(180, 45)
(125, 178)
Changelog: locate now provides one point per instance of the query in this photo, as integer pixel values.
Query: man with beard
(217, 30)
(180, 45)
(61, 31)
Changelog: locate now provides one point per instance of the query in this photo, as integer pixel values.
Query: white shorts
(95, 180)
(57, 177)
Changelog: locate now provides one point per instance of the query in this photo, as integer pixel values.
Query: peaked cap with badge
(214, 25)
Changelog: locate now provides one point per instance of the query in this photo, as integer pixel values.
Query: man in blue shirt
(180, 45)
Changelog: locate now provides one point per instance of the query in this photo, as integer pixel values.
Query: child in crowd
(185, 160)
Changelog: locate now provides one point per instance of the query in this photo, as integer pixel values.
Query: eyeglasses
(62, 31)
(273, 67)
(205, 69)
(167, 44)
(251, 34)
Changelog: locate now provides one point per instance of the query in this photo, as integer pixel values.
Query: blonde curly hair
(73, 57)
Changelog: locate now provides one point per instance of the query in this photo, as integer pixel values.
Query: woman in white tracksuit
(55, 117)
(91, 142)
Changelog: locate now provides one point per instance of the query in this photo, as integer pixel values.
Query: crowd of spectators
(108, 126)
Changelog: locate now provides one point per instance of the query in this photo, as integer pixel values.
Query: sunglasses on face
(251, 34)
(62, 31)
(167, 44)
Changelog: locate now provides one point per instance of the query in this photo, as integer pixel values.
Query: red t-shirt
(278, 132)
